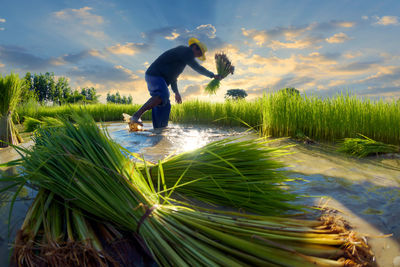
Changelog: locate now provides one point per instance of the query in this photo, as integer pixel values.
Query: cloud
(82, 15)
(385, 75)
(205, 33)
(19, 57)
(207, 30)
(104, 74)
(173, 36)
(127, 49)
(338, 38)
(387, 20)
(192, 91)
(259, 37)
(380, 92)
(358, 66)
(2, 28)
(296, 37)
(307, 42)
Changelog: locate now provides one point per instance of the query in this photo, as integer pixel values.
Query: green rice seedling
(364, 146)
(224, 68)
(244, 174)
(10, 90)
(56, 234)
(79, 163)
(31, 124)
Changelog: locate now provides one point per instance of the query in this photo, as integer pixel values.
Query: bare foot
(137, 120)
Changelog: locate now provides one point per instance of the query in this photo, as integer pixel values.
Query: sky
(317, 46)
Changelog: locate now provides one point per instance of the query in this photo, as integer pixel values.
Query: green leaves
(364, 146)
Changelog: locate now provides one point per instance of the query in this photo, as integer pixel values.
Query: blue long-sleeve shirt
(172, 63)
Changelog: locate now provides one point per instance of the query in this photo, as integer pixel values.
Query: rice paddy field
(365, 192)
(276, 114)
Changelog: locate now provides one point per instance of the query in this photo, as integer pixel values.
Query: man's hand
(178, 98)
(217, 77)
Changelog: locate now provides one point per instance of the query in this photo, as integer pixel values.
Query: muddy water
(366, 192)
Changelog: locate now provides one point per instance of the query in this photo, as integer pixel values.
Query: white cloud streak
(387, 20)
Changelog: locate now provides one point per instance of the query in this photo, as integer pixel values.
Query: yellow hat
(202, 46)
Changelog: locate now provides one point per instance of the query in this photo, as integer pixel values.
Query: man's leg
(151, 103)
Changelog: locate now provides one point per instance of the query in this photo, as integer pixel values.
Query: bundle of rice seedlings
(244, 174)
(364, 146)
(31, 124)
(83, 166)
(224, 67)
(55, 234)
(10, 90)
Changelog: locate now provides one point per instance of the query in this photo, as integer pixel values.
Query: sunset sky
(317, 46)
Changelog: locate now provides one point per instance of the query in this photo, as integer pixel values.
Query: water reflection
(158, 143)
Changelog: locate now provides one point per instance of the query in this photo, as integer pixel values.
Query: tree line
(46, 88)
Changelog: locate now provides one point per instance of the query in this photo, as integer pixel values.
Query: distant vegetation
(235, 94)
(118, 99)
(45, 88)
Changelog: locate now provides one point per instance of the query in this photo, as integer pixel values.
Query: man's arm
(200, 69)
(174, 87)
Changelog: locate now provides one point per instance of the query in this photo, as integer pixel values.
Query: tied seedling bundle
(11, 87)
(365, 146)
(243, 174)
(81, 165)
(224, 67)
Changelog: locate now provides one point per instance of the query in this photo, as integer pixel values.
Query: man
(164, 71)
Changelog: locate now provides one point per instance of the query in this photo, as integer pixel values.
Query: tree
(28, 91)
(118, 99)
(235, 94)
(44, 86)
(91, 95)
(290, 90)
(63, 87)
(76, 97)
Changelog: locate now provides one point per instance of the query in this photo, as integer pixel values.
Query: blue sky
(317, 46)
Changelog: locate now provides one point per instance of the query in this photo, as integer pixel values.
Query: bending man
(164, 71)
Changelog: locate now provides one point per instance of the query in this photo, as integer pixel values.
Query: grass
(11, 87)
(275, 114)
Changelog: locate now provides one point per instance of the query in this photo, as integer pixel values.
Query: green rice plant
(244, 174)
(31, 124)
(100, 112)
(364, 146)
(330, 119)
(224, 68)
(10, 90)
(56, 234)
(80, 164)
(229, 113)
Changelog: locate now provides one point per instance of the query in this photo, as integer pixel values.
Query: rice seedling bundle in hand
(365, 146)
(81, 165)
(10, 90)
(224, 67)
(243, 174)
